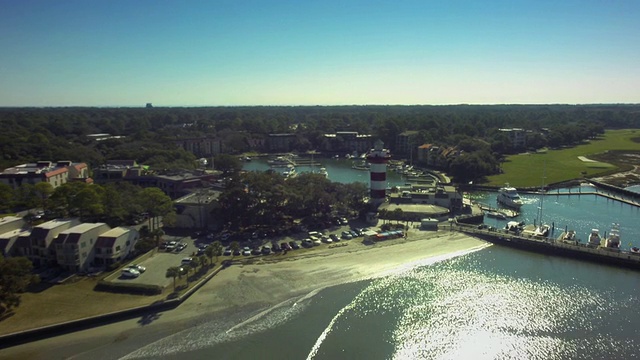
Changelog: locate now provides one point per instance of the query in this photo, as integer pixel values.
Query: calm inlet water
(495, 303)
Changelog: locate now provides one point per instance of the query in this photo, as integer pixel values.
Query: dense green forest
(31, 134)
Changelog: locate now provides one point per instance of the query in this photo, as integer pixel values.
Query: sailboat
(541, 229)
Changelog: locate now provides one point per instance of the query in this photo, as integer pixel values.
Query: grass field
(526, 170)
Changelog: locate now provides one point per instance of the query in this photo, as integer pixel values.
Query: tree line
(148, 135)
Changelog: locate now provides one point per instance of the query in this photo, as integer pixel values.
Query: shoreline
(260, 285)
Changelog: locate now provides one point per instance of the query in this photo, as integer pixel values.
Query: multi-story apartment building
(280, 142)
(200, 146)
(347, 141)
(118, 170)
(193, 211)
(405, 143)
(38, 246)
(518, 137)
(75, 247)
(55, 174)
(11, 229)
(114, 245)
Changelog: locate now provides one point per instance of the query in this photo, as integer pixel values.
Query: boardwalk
(604, 194)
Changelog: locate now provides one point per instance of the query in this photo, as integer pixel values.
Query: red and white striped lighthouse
(378, 158)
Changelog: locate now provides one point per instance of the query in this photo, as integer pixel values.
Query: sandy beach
(256, 285)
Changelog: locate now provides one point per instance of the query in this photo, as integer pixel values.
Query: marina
(566, 245)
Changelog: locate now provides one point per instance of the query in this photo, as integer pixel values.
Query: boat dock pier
(507, 213)
(607, 195)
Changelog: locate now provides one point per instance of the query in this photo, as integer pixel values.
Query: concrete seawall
(30, 335)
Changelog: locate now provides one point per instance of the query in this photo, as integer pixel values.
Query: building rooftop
(115, 232)
(52, 224)
(204, 197)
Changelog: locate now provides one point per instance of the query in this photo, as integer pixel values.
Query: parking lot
(157, 265)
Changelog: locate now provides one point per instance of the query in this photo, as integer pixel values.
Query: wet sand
(241, 289)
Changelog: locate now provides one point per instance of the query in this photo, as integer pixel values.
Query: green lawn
(526, 170)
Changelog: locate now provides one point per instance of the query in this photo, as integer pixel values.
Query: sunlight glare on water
(461, 314)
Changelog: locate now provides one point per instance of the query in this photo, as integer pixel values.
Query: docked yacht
(508, 196)
(613, 240)
(323, 172)
(290, 171)
(594, 238)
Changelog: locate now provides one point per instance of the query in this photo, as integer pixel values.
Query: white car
(130, 273)
(186, 261)
(138, 268)
(246, 251)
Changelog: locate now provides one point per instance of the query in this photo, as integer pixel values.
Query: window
(118, 248)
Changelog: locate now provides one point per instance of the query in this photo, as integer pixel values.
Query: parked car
(344, 221)
(256, 251)
(326, 239)
(347, 235)
(246, 251)
(275, 247)
(294, 245)
(227, 252)
(266, 250)
(186, 261)
(317, 242)
(334, 237)
(163, 245)
(237, 252)
(285, 246)
(353, 233)
(307, 243)
(171, 246)
(180, 247)
(138, 268)
(130, 273)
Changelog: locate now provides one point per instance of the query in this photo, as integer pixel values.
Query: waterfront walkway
(605, 194)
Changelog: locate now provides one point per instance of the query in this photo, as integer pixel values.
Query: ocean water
(496, 303)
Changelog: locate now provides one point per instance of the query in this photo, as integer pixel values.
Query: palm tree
(235, 247)
(157, 235)
(215, 249)
(185, 270)
(202, 261)
(173, 272)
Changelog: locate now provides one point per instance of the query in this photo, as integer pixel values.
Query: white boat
(323, 172)
(361, 165)
(508, 196)
(280, 161)
(594, 238)
(495, 214)
(613, 239)
(290, 172)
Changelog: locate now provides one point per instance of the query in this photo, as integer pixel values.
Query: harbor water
(495, 303)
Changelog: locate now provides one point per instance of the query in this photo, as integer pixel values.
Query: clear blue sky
(307, 52)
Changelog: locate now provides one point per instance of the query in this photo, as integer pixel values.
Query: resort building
(11, 228)
(200, 146)
(406, 142)
(193, 211)
(517, 137)
(445, 196)
(119, 170)
(75, 247)
(38, 246)
(347, 142)
(56, 174)
(114, 245)
(280, 142)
